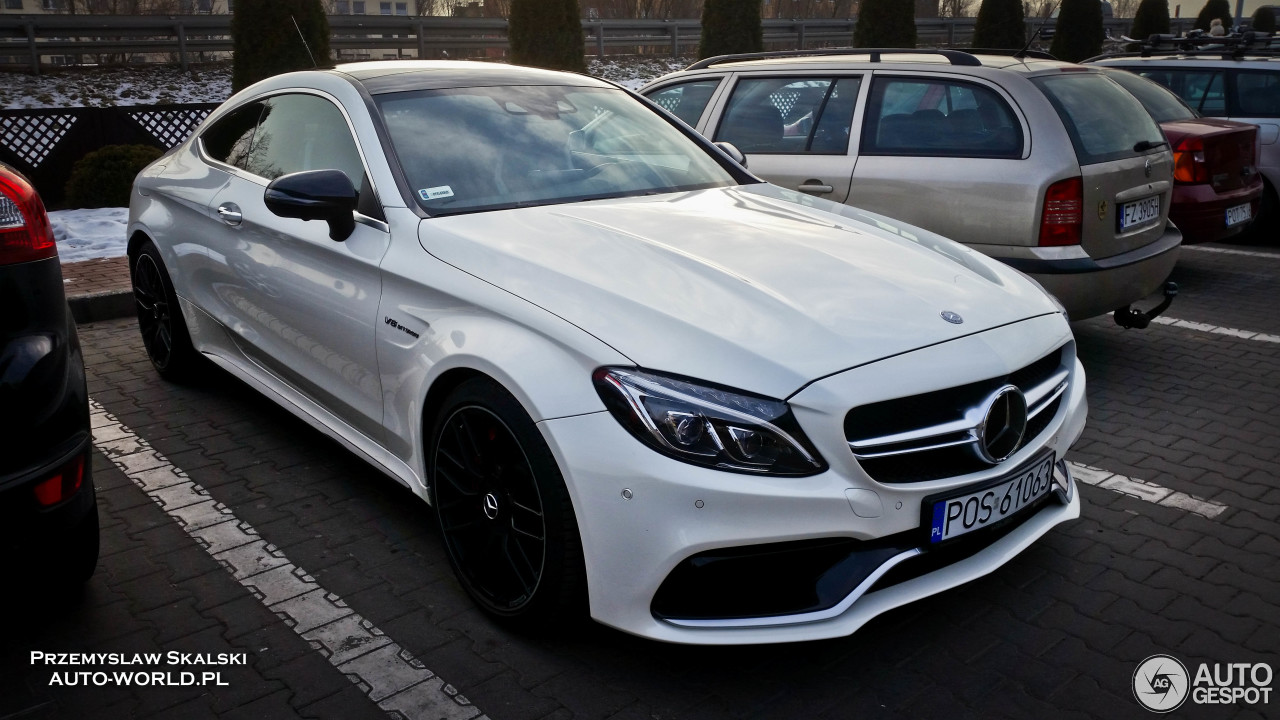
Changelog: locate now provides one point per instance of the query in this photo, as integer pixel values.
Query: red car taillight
(63, 484)
(1063, 214)
(25, 233)
(1188, 161)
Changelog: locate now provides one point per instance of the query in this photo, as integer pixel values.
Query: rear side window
(938, 118)
(1203, 89)
(231, 137)
(1104, 122)
(790, 115)
(686, 100)
(1257, 93)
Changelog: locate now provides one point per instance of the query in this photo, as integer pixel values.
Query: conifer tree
(267, 43)
(1000, 25)
(1264, 20)
(1214, 10)
(1078, 34)
(1151, 18)
(547, 34)
(731, 26)
(886, 24)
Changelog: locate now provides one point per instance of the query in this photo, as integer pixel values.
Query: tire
(164, 331)
(505, 516)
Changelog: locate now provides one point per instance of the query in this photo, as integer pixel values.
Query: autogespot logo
(1160, 683)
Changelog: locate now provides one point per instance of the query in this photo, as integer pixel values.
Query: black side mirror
(733, 152)
(316, 195)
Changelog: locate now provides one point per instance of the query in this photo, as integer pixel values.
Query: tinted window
(485, 148)
(912, 116)
(790, 115)
(303, 132)
(1202, 89)
(686, 100)
(1257, 93)
(229, 139)
(1104, 122)
(1160, 102)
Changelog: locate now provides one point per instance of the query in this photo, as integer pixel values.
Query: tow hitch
(1127, 317)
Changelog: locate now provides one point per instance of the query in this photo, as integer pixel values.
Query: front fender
(437, 320)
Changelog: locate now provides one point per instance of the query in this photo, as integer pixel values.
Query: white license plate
(1139, 212)
(962, 514)
(1238, 214)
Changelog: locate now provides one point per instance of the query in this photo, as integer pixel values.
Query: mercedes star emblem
(1004, 424)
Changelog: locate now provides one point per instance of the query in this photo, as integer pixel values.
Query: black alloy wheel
(504, 512)
(164, 332)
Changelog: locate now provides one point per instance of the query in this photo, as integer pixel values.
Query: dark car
(48, 508)
(1217, 187)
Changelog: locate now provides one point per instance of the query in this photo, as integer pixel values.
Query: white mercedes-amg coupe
(630, 378)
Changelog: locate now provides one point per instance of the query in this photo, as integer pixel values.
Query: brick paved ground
(1056, 633)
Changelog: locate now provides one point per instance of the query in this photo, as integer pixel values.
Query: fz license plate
(1139, 212)
(1238, 214)
(955, 516)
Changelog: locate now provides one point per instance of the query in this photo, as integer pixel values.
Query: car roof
(1215, 58)
(846, 58)
(403, 75)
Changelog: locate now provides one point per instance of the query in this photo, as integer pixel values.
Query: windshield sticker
(436, 193)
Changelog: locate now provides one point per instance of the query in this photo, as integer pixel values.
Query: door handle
(815, 187)
(230, 214)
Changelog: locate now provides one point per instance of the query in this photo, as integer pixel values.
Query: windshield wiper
(1145, 145)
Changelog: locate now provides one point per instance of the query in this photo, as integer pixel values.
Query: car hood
(741, 286)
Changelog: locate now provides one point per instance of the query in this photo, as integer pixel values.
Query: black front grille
(907, 414)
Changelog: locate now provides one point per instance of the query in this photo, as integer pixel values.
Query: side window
(790, 115)
(229, 140)
(1201, 89)
(303, 132)
(938, 118)
(1257, 94)
(686, 100)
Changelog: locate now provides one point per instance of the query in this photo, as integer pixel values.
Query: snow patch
(90, 234)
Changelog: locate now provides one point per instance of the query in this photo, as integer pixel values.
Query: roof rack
(1006, 52)
(956, 57)
(1198, 43)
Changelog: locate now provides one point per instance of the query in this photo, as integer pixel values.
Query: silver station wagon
(1047, 166)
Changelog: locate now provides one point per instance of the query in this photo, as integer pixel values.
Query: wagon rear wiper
(1145, 145)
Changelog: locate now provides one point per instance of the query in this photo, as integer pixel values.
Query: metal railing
(35, 40)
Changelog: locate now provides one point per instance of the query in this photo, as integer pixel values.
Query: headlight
(708, 426)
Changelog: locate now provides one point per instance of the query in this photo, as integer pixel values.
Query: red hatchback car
(1216, 183)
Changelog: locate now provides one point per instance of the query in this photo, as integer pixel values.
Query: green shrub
(1264, 20)
(1078, 34)
(104, 177)
(886, 24)
(731, 26)
(546, 34)
(267, 43)
(1151, 18)
(1215, 9)
(1000, 25)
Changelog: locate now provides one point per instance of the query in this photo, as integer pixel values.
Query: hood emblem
(1003, 424)
(953, 318)
(1146, 167)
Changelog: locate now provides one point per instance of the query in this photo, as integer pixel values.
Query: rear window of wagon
(1103, 120)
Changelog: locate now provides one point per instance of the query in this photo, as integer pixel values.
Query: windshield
(488, 148)
(1105, 122)
(1159, 101)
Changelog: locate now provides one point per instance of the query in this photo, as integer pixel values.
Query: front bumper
(642, 515)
